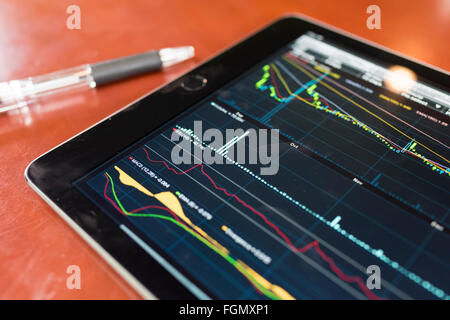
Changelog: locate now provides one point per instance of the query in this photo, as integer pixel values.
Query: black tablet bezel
(53, 173)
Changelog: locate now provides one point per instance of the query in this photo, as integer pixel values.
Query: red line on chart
(314, 244)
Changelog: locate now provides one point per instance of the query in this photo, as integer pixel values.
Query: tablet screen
(318, 174)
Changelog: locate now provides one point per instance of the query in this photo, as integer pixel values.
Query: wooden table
(36, 246)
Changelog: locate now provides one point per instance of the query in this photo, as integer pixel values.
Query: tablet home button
(194, 83)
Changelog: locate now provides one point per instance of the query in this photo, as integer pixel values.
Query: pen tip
(170, 56)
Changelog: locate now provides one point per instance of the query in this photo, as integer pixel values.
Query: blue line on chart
(376, 178)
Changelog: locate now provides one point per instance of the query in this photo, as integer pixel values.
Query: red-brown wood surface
(36, 246)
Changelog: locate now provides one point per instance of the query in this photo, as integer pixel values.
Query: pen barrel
(117, 69)
(17, 93)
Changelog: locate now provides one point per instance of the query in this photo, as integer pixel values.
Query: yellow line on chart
(169, 200)
(279, 291)
(359, 106)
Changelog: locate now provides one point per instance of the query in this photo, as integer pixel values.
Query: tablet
(301, 163)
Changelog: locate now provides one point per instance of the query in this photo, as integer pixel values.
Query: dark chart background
(357, 186)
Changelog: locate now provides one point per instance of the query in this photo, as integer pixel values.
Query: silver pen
(18, 93)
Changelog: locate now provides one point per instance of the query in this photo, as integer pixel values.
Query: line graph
(366, 110)
(379, 253)
(441, 169)
(362, 98)
(313, 245)
(261, 284)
